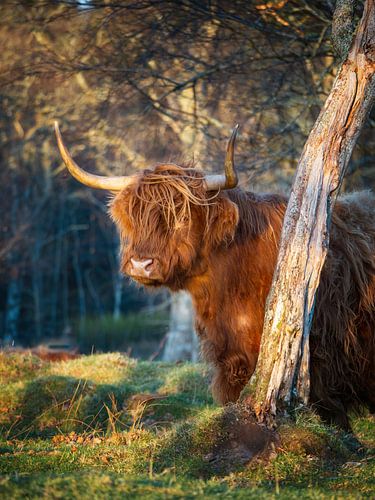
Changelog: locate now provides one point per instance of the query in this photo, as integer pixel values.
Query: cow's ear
(223, 221)
(117, 211)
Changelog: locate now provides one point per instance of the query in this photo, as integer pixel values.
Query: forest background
(132, 84)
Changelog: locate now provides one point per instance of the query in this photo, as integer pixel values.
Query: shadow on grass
(54, 403)
(59, 404)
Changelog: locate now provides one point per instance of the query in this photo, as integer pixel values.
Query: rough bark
(282, 374)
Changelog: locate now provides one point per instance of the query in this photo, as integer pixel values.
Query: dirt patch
(242, 440)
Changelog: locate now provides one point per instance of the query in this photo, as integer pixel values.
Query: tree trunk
(37, 286)
(282, 375)
(13, 307)
(182, 343)
(118, 282)
(79, 283)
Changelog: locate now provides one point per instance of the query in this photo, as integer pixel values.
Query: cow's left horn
(229, 179)
(91, 180)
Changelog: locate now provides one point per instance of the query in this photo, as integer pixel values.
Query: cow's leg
(333, 415)
(223, 391)
(231, 371)
(231, 376)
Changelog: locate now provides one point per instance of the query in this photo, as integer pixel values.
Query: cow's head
(170, 217)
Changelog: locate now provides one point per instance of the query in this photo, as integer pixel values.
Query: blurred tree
(182, 342)
(136, 83)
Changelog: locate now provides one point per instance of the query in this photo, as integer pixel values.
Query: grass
(107, 426)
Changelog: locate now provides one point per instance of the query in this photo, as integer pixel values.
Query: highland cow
(187, 231)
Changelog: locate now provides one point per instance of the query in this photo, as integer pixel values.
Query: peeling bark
(282, 375)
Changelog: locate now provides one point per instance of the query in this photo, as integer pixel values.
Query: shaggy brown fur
(222, 248)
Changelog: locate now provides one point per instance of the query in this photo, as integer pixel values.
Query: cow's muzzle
(141, 268)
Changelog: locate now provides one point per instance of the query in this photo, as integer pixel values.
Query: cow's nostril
(141, 264)
(148, 263)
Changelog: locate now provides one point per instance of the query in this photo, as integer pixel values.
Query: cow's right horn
(229, 179)
(91, 180)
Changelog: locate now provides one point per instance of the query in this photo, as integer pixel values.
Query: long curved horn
(91, 180)
(229, 179)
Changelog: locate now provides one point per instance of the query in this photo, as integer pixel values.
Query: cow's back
(343, 333)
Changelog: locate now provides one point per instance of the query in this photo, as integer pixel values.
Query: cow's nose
(140, 267)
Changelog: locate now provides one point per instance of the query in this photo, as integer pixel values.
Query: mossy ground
(106, 426)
